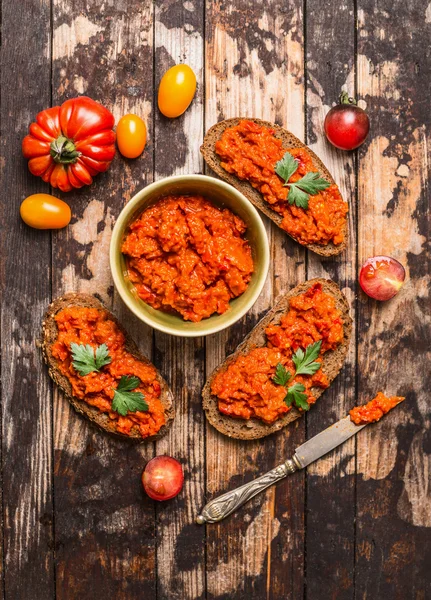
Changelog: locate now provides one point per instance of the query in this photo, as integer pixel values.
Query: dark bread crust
(101, 420)
(333, 360)
(255, 197)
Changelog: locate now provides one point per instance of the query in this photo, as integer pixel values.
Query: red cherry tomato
(346, 125)
(163, 478)
(382, 277)
(131, 136)
(43, 211)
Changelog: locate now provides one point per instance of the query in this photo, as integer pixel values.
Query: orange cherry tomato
(43, 211)
(176, 91)
(131, 136)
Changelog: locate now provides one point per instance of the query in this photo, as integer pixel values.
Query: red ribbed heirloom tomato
(69, 144)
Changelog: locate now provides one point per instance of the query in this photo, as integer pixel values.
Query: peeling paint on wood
(26, 456)
(256, 47)
(75, 518)
(393, 219)
(180, 542)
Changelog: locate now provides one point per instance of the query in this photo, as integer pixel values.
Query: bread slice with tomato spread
(101, 419)
(289, 141)
(332, 362)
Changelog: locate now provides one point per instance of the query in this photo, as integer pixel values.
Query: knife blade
(325, 441)
(319, 445)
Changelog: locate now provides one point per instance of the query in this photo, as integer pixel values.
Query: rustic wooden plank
(25, 267)
(394, 501)
(254, 67)
(180, 543)
(330, 522)
(105, 530)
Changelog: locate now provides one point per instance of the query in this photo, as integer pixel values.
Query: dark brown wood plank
(105, 529)
(330, 526)
(393, 493)
(25, 267)
(254, 67)
(180, 542)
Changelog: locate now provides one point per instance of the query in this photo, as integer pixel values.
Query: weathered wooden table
(76, 523)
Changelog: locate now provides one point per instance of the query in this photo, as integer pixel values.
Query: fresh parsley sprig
(309, 185)
(282, 375)
(86, 359)
(295, 396)
(286, 167)
(305, 365)
(301, 190)
(304, 361)
(127, 400)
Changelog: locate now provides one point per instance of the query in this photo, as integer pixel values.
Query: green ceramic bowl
(222, 195)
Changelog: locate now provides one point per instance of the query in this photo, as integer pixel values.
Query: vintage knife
(318, 446)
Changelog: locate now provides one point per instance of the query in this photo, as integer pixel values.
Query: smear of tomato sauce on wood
(186, 256)
(251, 151)
(375, 409)
(246, 389)
(92, 326)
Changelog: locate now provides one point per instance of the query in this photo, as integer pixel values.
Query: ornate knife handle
(224, 505)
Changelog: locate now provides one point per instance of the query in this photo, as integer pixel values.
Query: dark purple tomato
(346, 125)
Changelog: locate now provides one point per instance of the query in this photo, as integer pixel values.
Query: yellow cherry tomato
(176, 91)
(131, 136)
(43, 211)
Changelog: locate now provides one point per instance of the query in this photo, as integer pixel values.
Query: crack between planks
(204, 32)
(156, 564)
(304, 9)
(3, 560)
(51, 383)
(356, 170)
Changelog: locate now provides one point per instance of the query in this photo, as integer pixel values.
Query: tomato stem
(63, 151)
(346, 99)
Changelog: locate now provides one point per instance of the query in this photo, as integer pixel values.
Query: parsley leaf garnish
(301, 190)
(298, 197)
(282, 375)
(86, 360)
(304, 361)
(295, 395)
(307, 186)
(286, 167)
(305, 365)
(125, 399)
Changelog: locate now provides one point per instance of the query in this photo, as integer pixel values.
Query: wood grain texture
(76, 523)
(105, 529)
(256, 47)
(180, 542)
(330, 51)
(393, 492)
(25, 289)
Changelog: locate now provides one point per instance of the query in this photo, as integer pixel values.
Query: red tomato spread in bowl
(186, 256)
(246, 389)
(251, 151)
(82, 326)
(375, 409)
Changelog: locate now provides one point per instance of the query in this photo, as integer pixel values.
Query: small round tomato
(163, 478)
(346, 125)
(176, 91)
(382, 277)
(131, 136)
(43, 211)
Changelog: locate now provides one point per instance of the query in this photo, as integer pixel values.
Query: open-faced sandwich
(283, 178)
(101, 371)
(283, 365)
